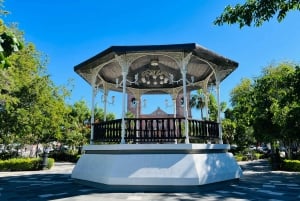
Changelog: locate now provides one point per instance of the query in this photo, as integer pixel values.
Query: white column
(219, 110)
(137, 115)
(105, 103)
(94, 93)
(185, 111)
(124, 74)
(206, 95)
(174, 99)
(137, 107)
(175, 106)
(124, 63)
(183, 72)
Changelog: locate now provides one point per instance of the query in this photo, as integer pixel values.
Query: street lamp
(109, 102)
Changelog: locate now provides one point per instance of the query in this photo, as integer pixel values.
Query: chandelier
(154, 77)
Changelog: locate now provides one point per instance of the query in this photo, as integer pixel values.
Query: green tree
(129, 115)
(33, 109)
(256, 12)
(213, 107)
(10, 40)
(275, 104)
(77, 129)
(228, 130)
(267, 108)
(198, 101)
(241, 114)
(292, 120)
(40, 111)
(99, 115)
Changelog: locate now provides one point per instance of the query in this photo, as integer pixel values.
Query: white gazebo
(175, 150)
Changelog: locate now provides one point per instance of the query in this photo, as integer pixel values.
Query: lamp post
(45, 158)
(105, 101)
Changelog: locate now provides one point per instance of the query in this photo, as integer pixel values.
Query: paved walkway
(258, 183)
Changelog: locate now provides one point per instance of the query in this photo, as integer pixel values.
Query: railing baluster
(179, 128)
(153, 130)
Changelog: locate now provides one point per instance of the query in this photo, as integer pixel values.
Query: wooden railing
(203, 130)
(155, 130)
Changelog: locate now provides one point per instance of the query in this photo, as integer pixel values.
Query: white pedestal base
(157, 164)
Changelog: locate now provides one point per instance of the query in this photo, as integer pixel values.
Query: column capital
(184, 62)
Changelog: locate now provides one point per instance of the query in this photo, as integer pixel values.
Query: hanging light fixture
(154, 62)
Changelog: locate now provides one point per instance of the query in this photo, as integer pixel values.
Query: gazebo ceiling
(155, 68)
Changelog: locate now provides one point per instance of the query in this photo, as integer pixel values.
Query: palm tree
(198, 101)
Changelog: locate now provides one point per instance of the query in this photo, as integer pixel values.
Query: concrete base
(157, 164)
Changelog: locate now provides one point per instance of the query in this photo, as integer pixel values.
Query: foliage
(24, 164)
(50, 163)
(247, 155)
(35, 109)
(228, 130)
(239, 157)
(291, 165)
(20, 164)
(198, 101)
(64, 156)
(213, 107)
(240, 114)
(129, 115)
(267, 108)
(77, 129)
(9, 43)
(256, 12)
(32, 108)
(274, 104)
(99, 114)
(5, 155)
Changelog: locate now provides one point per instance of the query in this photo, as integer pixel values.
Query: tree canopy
(256, 12)
(32, 108)
(275, 104)
(267, 107)
(198, 101)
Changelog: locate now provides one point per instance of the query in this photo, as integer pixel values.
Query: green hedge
(291, 165)
(50, 163)
(243, 157)
(64, 156)
(24, 164)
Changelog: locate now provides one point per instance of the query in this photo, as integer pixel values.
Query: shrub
(50, 163)
(24, 164)
(258, 156)
(238, 157)
(63, 156)
(8, 155)
(291, 165)
(20, 164)
(3, 165)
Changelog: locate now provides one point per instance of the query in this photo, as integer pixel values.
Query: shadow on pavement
(257, 183)
(256, 166)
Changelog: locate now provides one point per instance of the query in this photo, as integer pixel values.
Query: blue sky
(71, 31)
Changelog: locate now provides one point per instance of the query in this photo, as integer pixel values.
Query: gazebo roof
(155, 68)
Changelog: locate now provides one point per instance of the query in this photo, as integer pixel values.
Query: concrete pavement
(258, 183)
